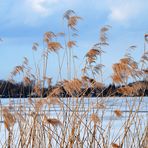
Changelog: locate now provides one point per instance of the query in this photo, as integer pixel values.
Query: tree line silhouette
(20, 90)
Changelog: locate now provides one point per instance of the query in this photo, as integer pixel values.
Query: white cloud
(48, 7)
(124, 11)
(42, 7)
(32, 12)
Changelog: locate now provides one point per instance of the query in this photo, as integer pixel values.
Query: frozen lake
(103, 107)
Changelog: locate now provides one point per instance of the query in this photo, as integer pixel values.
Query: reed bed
(67, 122)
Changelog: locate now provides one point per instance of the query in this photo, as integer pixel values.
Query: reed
(37, 122)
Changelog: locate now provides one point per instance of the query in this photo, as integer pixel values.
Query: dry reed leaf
(94, 117)
(114, 145)
(52, 121)
(9, 119)
(118, 112)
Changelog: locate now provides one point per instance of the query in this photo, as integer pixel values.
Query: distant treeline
(20, 90)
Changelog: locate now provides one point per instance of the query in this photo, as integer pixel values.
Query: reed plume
(52, 121)
(118, 112)
(9, 119)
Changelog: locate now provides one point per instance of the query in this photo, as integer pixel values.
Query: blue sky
(23, 22)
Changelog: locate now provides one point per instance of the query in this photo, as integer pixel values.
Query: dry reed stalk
(71, 138)
(145, 139)
(10, 138)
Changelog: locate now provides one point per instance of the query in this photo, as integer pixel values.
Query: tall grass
(36, 122)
